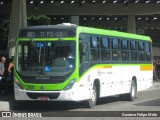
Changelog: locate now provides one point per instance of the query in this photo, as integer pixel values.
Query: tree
(39, 20)
(4, 30)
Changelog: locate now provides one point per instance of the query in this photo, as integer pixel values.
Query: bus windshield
(51, 58)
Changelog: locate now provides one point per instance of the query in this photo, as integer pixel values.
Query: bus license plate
(45, 98)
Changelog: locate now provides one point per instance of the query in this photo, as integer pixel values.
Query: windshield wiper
(53, 49)
(37, 51)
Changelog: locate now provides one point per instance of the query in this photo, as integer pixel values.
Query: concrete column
(18, 19)
(75, 20)
(131, 28)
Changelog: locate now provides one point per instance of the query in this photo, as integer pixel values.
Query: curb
(4, 106)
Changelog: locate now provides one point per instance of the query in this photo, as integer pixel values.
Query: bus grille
(49, 95)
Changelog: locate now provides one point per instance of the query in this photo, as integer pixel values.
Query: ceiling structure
(108, 14)
(147, 12)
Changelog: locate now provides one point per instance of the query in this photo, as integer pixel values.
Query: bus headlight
(18, 85)
(70, 84)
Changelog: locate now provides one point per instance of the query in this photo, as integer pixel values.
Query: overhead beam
(87, 9)
(94, 9)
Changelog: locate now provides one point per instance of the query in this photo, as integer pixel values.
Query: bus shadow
(111, 99)
(43, 106)
(48, 106)
(155, 102)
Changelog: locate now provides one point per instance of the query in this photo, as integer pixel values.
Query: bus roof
(90, 30)
(113, 33)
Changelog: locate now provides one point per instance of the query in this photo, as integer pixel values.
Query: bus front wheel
(92, 102)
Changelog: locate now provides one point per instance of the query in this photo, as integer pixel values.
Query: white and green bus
(76, 63)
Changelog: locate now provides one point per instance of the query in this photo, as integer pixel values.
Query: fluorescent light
(93, 1)
(115, 1)
(155, 18)
(139, 18)
(148, 1)
(146, 18)
(62, 2)
(152, 28)
(158, 1)
(84, 18)
(136, 1)
(125, 1)
(92, 18)
(100, 18)
(54, 18)
(158, 28)
(108, 18)
(42, 2)
(104, 1)
(52, 1)
(62, 18)
(83, 1)
(115, 18)
(1, 3)
(72, 1)
(31, 2)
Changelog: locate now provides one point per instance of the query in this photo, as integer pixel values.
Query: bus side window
(133, 48)
(84, 55)
(105, 49)
(94, 48)
(116, 53)
(125, 50)
(148, 51)
(141, 48)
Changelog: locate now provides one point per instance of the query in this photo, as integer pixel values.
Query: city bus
(67, 62)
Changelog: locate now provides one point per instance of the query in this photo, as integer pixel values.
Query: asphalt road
(148, 100)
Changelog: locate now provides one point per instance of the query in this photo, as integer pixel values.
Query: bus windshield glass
(51, 58)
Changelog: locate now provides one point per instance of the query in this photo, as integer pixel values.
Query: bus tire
(132, 95)
(92, 102)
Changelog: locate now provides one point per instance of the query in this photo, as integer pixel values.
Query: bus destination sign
(51, 33)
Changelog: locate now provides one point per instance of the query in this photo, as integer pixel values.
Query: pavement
(5, 106)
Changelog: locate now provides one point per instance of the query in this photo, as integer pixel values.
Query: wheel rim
(93, 96)
(133, 91)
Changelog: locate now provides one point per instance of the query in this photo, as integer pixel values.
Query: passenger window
(141, 52)
(94, 42)
(94, 49)
(115, 44)
(148, 52)
(125, 51)
(124, 45)
(140, 46)
(133, 48)
(133, 45)
(105, 51)
(105, 43)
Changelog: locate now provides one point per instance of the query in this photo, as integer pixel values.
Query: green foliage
(4, 27)
(4, 30)
(39, 20)
(156, 44)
